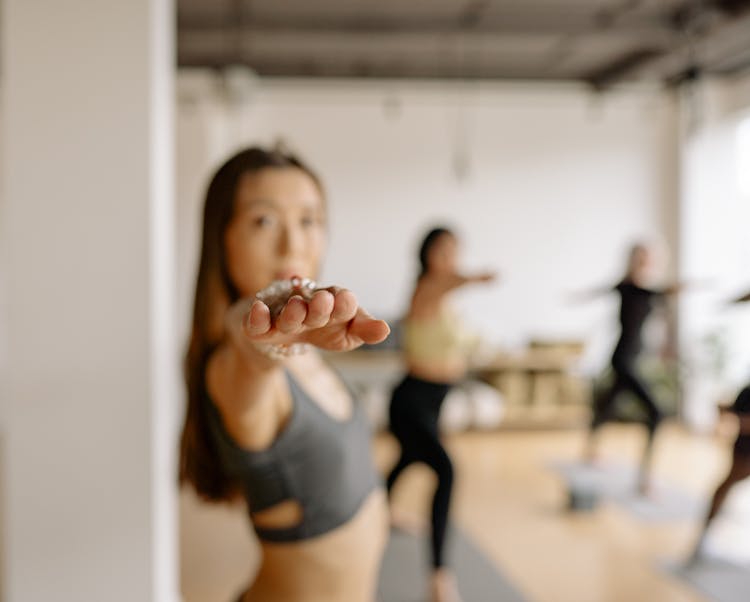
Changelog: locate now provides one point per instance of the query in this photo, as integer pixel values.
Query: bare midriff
(339, 566)
(446, 371)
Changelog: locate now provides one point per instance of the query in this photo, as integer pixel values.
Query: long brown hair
(214, 294)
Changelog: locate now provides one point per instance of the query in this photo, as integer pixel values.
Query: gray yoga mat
(717, 580)
(403, 577)
(618, 483)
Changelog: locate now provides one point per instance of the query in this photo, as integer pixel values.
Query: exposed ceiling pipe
(695, 22)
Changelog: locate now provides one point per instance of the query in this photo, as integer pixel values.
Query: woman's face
(442, 258)
(642, 264)
(277, 230)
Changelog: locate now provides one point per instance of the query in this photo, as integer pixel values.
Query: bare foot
(443, 586)
(405, 521)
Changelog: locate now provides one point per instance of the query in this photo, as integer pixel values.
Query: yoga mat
(405, 570)
(618, 483)
(717, 580)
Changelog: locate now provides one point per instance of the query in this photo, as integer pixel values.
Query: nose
(290, 241)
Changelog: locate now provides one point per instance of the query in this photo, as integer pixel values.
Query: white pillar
(90, 372)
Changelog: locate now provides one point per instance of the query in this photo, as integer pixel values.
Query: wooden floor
(513, 508)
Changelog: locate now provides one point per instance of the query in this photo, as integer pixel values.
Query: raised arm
(444, 284)
(431, 289)
(589, 295)
(688, 285)
(691, 285)
(247, 366)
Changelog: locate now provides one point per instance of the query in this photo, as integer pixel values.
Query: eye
(262, 221)
(308, 221)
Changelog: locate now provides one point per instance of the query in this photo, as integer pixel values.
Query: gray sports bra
(322, 463)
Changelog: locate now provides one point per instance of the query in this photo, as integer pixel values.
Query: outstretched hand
(330, 319)
(578, 297)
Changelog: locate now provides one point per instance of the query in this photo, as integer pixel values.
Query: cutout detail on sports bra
(283, 515)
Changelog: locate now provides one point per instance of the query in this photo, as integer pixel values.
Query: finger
(258, 320)
(368, 329)
(319, 309)
(292, 315)
(344, 306)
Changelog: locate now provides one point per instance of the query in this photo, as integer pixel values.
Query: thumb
(368, 329)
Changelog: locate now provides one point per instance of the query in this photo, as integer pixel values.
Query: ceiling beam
(558, 22)
(712, 33)
(367, 69)
(703, 53)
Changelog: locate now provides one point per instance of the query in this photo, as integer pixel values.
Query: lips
(287, 274)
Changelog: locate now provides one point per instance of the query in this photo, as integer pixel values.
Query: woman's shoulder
(427, 300)
(222, 390)
(229, 371)
(216, 372)
(243, 400)
(629, 287)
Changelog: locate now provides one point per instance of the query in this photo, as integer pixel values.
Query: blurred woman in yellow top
(436, 348)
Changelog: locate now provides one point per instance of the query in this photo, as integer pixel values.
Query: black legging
(414, 412)
(739, 471)
(626, 379)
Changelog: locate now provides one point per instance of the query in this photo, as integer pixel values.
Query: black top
(321, 462)
(635, 306)
(741, 407)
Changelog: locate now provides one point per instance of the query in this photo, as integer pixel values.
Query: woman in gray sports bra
(267, 420)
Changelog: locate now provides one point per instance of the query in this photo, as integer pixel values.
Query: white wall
(560, 183)
(715, 215)
(90, 378)
(715, 228)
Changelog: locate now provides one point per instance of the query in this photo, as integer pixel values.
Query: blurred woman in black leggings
(740, 468)
(636, 303)
(436, 350)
